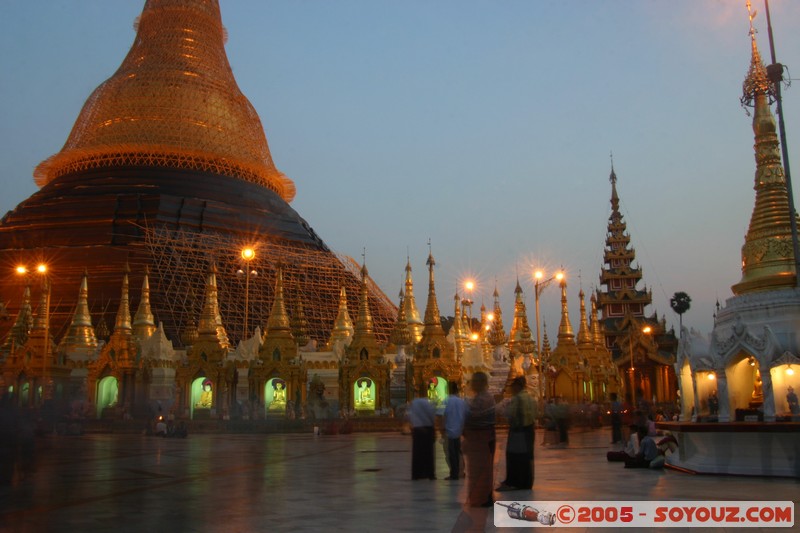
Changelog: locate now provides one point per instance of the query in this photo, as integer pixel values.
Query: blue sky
(484, 126)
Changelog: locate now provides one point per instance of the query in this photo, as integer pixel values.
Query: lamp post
(646, 330)
(41, 269)
(539, 286)
(248, 254)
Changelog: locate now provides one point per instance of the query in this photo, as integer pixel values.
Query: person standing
(616, 419)
(422, 416)
(479, 442)
(455, 413)
(521, 413)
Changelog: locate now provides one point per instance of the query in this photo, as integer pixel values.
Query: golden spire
(433, 320)
(401, 334)
(299, 323)
(18, 334)
(172, 103)
(80, 334)
(584, 333)
(520, 338)
(278, 324)
(497, 336)
(122, 324)
(364, 333)
(144, 323)
(412, 314)
(565, 328)
(434, 341)
(595, 328)
(343, 326)
(546, 351)
(209, 327)
(767, 257)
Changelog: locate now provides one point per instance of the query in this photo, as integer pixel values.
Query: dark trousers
(454, 456)
(422, 465)
(519, 457)
(616, 427)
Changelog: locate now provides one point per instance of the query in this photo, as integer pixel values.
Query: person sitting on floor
(631, 448)
(649, 455)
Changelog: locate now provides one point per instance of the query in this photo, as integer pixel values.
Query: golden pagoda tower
(520, 338)
(343, 327)
(412, 314)
(434, 357)
(364, 383)
(279, 344)
(364, 344)
(497, 334)
(565, 356)
(122, 324)
(299, 323)
(18, 334)
(212, 339)
(767, 256)
(459, 336)
(168, 164)
(144, 324)
(584, 333)
(401, 334)
(80, 341)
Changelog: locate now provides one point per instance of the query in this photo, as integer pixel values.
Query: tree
(680, 303)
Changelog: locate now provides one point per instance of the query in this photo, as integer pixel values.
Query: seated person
(631, 448)
(649, 455)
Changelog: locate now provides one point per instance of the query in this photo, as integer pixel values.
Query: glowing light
(490, 317)
(712, 376)
(21, 270)
(474, 336)
(538, 274)
(790, 371)
(248, 254)
(646, 330)
(469, 285)
(560, 276)
(488, 327)
(41, 268)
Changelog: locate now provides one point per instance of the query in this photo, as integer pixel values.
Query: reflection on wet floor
(305, 482)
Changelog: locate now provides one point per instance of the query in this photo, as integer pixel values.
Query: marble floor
(299, 482)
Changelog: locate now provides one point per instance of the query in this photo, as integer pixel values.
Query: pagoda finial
(81, 334)
(410, 305)
(756, 82)
(342, 326)
(122, 324)
(584, 332)
(144, 324)
(565, 328)
(278, 320)
(209, 327)
(401, 334)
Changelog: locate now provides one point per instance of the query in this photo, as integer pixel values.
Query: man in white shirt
(455, 412)
(422, 416)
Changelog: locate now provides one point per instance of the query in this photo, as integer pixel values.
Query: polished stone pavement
(302, 482)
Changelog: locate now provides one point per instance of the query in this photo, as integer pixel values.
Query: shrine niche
(437, 392)
(107, 395)
(202, 397)
(275, 396)
(364, 394)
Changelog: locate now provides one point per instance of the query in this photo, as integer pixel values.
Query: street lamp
(469, 286)
(41, 269)
(539, 286)
(646, 330)
(248, 254)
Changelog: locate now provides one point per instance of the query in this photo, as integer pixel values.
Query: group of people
(641, 449)
(469, 429)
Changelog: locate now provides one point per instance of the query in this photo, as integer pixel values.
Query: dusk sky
(483, 126)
